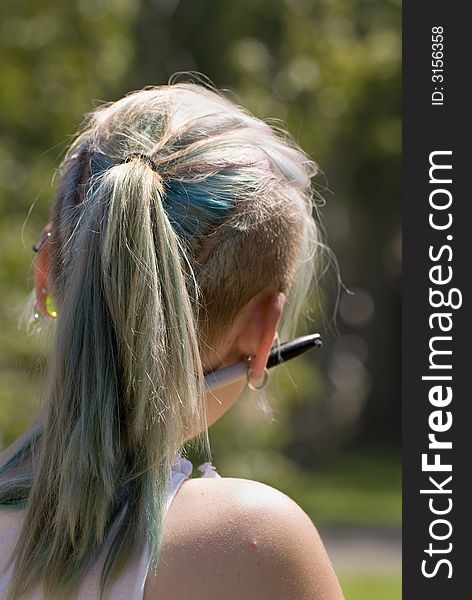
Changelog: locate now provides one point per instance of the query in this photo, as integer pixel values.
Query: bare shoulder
(234, 539)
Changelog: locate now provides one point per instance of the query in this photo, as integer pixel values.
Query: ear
(258, 326)
(41, 270)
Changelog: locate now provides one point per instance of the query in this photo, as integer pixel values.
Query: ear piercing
(48, 304)
(36, 314)
(37, 247)
(259, 385)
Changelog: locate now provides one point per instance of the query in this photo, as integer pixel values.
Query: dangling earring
(48, 303)
(260, 385)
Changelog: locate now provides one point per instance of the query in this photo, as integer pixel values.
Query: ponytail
(125, 386)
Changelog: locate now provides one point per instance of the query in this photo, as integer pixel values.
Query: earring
(36, 313)
(260, 385)
(37, 247)
(51, 311)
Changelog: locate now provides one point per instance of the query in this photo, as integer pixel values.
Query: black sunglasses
(277, 356)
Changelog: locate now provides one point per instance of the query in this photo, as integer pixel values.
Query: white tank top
(130, 584)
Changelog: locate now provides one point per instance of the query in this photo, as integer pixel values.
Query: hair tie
(144, 157)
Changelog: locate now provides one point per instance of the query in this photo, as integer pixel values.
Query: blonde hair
(174, 208)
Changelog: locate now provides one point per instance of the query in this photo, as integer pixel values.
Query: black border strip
(442, 128)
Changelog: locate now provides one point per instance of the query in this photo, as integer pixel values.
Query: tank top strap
(181, 471)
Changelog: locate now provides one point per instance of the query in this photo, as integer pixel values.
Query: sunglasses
(277, 356)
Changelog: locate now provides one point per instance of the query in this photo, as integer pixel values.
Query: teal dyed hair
(150, 261)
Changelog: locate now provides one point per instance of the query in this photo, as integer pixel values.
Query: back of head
(174, 208)
(230, 187)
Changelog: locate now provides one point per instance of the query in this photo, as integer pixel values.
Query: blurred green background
(329, 70)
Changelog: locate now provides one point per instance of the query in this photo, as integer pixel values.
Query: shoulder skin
(235, 539)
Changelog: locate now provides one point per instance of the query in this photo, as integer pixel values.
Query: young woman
(181, 241)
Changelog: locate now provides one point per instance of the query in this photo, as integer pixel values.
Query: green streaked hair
(149, 265)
